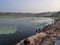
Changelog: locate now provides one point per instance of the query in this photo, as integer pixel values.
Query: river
(12, 30)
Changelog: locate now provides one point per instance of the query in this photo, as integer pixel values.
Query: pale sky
(29, 6)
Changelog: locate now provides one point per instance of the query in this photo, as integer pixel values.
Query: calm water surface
(20, 28)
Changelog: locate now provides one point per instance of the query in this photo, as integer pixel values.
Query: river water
(12, 30)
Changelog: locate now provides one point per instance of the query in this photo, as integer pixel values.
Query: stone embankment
(46, 37)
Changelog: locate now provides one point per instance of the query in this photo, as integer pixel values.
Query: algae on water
(7, 30)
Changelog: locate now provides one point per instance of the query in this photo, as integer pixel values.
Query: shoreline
(48, 30)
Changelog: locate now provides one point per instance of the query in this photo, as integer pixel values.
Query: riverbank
(46, 37)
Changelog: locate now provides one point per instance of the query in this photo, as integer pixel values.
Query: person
(26, 42)
(38, 30)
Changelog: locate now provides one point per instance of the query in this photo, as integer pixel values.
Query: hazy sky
(34, 6)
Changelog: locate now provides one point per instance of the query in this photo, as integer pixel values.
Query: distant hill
(56, 14)
(17, 14)
(49, 14)
(44, 14)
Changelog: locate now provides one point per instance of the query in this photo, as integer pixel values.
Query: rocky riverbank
(45, 37)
